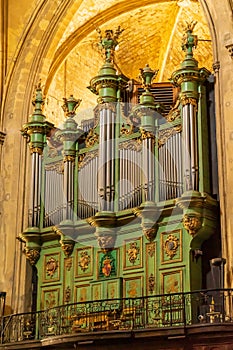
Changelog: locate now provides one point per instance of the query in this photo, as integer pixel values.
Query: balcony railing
(168, 310)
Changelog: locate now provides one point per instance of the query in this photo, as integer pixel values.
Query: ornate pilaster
(69, 135)
(36, 131)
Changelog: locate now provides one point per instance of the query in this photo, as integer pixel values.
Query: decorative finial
(147, 75)
(38, 100)
(70, 106)
(189, 41)
(109, 42)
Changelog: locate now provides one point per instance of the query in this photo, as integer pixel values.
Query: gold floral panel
(84, 262)
(172, 282)
(132, 254)
(82, 293)
(171, 246)
(50, 298)
(133, 287)
(51, 270)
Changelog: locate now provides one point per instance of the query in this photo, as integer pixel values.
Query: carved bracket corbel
(192, 223)
(32, 255)
(148, 213)
(67, 247)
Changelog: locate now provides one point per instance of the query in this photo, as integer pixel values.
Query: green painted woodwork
(155, 248)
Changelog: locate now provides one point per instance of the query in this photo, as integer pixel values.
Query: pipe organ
(122, 200)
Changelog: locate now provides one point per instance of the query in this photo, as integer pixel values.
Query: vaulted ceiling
(153, 31)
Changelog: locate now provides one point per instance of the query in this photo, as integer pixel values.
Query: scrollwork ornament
(91, 138)
(171, 245)
(133, 252)
(192, 223)
(151, 283)
(146, 134)
(32, 255)
(84, 261)
(51, 266)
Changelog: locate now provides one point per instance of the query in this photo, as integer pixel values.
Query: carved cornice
(135, 145)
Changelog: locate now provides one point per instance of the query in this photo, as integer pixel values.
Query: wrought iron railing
(168, 310)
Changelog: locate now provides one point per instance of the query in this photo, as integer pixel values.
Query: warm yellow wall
(34, 51)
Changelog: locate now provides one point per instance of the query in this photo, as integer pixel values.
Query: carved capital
(192, 223)
(32, 255)
(69, 158)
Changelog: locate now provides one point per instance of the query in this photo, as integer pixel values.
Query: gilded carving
(84, 260)
(149, 233)
(146, 134)
(135, 145)
(91, 138)
(58, 167)
(127, 131)
(36, 150)
(51, 266)
(32, 255)
(68, 264)
(133, 252)
(171, 245)
(67, 247)
(174, 112)
(164, 135)
(86, 158)
(68, 158)
(191, 223)
(67, 296)
(188, 101)
(151, 249)
(106, 242)
(151, 283)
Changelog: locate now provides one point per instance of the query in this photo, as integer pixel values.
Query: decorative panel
(97, 291)
(132, 254)
(114, 288)
(171, 246)
(107, 264)
(84, 262)
(150, 268)
(133, 287)
(82, 293)
(50, 298)
(51, 267)
(172, 282)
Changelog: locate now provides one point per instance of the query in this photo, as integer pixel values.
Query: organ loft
(124, 217)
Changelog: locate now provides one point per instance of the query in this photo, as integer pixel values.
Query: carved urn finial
(70, 105)
(147, 75)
